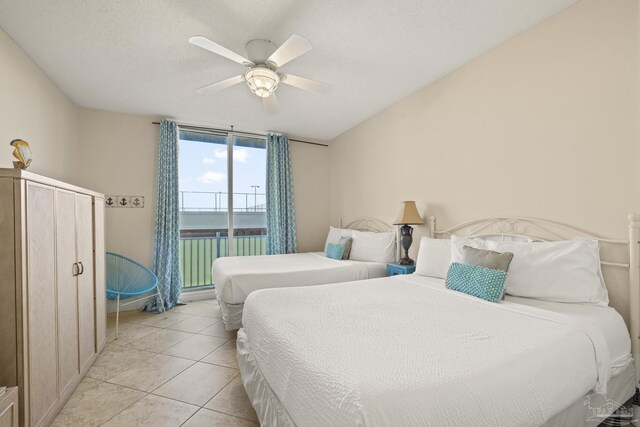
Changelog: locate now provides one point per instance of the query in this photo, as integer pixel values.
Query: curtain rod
(202, 128)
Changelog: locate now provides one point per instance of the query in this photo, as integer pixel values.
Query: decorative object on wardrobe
(408, 216)
(22, 152)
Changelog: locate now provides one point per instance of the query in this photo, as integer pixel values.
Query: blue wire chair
(127, 279)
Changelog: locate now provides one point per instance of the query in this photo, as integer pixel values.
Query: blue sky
(203, 167)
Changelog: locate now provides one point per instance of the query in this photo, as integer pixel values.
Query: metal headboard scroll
(522, 227)
(368, 224)
(373, 225)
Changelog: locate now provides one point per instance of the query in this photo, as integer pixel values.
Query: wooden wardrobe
(52, 289)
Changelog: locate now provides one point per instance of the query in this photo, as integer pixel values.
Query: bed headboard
(367, 224)
(372, 225)
(620, 258)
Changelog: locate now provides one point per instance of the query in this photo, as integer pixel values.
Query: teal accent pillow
(335, 251)
(477, 281)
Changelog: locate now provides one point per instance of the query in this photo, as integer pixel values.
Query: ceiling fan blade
(214, 47)
(217, 87)
(290, 50)
(270, 104)
(305, 84)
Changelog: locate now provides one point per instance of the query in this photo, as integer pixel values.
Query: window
(222, 193)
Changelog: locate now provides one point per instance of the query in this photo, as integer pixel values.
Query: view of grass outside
(204, 202)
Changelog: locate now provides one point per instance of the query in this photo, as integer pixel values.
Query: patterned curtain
(281, 213)
(166, 254)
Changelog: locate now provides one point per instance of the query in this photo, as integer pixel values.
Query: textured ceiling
(133, 56)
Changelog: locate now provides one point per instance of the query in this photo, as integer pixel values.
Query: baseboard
(188, 296)
(198, 295)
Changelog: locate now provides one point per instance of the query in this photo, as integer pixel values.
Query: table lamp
(408, 216)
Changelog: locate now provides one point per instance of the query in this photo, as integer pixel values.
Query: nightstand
(396, 269)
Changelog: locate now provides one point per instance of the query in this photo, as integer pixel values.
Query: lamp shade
(409, 214)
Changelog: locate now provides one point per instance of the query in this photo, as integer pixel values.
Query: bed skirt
(268, 408)
(619, 390)
(231, 315)
(271, 412)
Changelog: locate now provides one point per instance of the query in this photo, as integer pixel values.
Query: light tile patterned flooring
(179, 371)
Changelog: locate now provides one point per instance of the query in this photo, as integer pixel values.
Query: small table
(396, 269)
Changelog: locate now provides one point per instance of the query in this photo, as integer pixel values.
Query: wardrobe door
(86, 303)
(42, 360)
(66, 270)
(100, 266)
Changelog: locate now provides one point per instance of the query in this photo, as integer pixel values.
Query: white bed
(237, 277)
(405, 350)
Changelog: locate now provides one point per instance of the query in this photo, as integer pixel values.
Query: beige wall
(33, 108)
(119, 157)
(310, 164)
(545, 125)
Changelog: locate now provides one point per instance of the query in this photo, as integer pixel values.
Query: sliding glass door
(222, 182)
(249, 219)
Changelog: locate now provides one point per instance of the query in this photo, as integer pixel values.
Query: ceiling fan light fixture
(262, 81)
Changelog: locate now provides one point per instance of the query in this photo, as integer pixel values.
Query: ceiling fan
(263, 75)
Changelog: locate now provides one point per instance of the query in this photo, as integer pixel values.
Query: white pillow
(457, 243)
(565, 271)
(377, 247)
(434, 257)
(335, 234)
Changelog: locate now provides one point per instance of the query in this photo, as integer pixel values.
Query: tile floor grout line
(150, 392)
(197, 360)
(124, 409)
(217, 364)
(192, 415)
(90, 388)
(154, 353)
(194, 362)
(231, 415)
(218, 392)
(171, 330)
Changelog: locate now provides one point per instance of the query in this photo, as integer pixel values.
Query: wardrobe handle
(82, 268)
(75, 269)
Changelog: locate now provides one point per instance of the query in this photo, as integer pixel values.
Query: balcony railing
(207, 201)
(198, 253)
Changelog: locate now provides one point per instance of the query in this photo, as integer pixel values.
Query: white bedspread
(406, 351)
(237, 277)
